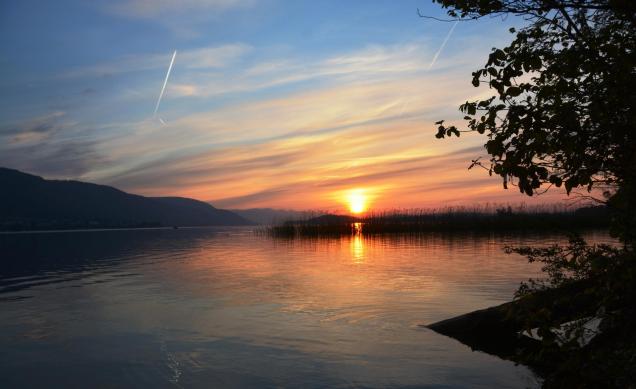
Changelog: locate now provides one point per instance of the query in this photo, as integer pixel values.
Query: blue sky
(289, 104)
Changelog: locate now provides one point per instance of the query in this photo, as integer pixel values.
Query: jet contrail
(442, 46)
(165, 82)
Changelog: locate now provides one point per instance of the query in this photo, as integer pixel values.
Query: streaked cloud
(364, 121)
(260, 111)
(213, 57)
(373, 63)
(199, 58)
(184, 18)
(31, 130)
(163, 8)
(52, 145)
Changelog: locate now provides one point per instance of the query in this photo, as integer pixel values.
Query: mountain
(270, 216)
(31, 202)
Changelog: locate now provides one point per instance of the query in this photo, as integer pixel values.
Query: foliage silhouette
(562, 114)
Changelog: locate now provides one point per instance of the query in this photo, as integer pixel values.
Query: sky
(282, 104)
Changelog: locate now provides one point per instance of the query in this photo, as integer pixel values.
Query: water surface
(227, 308)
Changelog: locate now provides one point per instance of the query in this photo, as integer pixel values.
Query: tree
(562, 114)
(563, 111)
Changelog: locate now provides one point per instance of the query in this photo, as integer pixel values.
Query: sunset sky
(283, 104)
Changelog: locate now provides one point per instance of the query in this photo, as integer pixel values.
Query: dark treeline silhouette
(466, 219)
(29, 202)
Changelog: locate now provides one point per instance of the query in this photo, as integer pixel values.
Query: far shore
(8, 232)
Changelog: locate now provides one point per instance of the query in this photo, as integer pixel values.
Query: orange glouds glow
(357, 201)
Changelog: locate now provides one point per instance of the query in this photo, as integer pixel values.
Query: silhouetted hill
(186, 211)
(31, 202)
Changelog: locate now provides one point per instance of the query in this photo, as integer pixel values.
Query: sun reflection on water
(357, 244)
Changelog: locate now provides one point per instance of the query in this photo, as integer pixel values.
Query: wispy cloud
(260, 109)
(373, 63)
(184, 18)
(283, 152)
(31, 130)
(304, 145)
(162, 8)
(45, 145)
(358, 119)
(215, 57)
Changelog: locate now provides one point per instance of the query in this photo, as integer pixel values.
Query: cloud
(214, 57)
(300, 146)
(319, 110)
(71, 159)
(184, 18)
(48, 145)
(162, 8)
(67, 159)
(299, 167)
(32, 130)
(360, 119)
(262, 197)
(373, 63)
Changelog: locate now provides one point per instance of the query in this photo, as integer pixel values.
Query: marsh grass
(488, 218)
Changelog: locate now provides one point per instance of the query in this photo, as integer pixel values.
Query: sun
(357, 201)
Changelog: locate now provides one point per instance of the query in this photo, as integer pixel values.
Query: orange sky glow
(313, 149)
(261, 119)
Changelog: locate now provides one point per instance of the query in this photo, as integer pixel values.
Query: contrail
(442, 46)
(405, 103)
(165, 82)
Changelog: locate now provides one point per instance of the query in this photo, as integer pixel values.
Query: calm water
(225, 308)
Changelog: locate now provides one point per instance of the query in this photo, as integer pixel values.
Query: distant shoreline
(5, 232)
(450, 220)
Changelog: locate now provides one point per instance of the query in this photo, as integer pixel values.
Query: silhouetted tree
(562, 114)
(563, 111)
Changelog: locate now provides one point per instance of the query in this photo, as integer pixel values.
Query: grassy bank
(486, 219)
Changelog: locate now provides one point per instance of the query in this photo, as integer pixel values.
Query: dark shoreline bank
(498, 331)
(101, 229)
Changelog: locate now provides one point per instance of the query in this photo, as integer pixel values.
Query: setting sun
(357, 201)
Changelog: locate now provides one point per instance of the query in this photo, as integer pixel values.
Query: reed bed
(450, 219)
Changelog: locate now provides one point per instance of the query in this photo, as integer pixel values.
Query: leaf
(513, 91)
(440, 132)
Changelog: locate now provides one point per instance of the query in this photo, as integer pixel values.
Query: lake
(224, 307)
